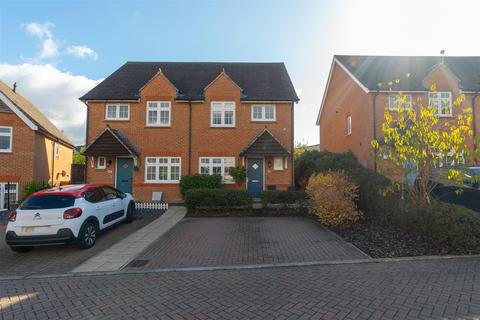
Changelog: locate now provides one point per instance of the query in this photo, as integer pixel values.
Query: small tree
(416, 143)
(78, 158)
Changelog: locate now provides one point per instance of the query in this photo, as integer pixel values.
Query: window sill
(162, 182)
(157, 127)
(445, 116)
(6, 152)
(263, 121)
(222, 127)
(116, 120)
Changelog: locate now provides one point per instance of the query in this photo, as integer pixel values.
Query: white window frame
(223, 164)
(3, 197)
(159, 108)
(7, 135)
(221, 106)
(169, 166)
(394, 102)
(57, 149)
(437, 97)
(100, 166)
(117, 111)
(278, 163)
(349, 125)
(263, 116)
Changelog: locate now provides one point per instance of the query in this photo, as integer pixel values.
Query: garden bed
(385, 241)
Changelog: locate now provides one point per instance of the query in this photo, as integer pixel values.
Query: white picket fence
(151, 205)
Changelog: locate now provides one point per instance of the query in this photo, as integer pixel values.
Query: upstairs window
(442, 102)
(218, 165)
(398, 101)
(117, 112)
(349, 125)
(57, 149)
(222, 114)
(162, 169)
(263, 112)
(6, 139)
(158, 113)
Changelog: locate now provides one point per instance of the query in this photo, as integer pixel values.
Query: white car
(66, 214)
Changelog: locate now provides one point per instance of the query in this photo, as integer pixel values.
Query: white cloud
(82, 52)
(50, 47)
(54, 92)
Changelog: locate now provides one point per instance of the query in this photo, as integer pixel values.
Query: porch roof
(265, 144)
(111, 142)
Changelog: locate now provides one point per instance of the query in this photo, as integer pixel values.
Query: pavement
(431, 289)
(230, 241)
(121, 253)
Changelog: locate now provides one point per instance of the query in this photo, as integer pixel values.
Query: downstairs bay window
(217, 165)
(163, 169)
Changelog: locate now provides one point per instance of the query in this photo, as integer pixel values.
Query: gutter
(374, 123)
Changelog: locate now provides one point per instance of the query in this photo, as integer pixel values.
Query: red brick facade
(173, 141)
(344, 96)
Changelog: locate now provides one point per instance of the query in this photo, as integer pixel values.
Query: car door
(115, 205)
(101, 207)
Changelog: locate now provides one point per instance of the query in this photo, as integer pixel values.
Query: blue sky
(57, 50)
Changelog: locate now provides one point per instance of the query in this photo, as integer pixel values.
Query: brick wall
(173, 141)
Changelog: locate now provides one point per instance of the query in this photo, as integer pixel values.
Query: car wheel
(21, 249)
(88, 235)
(130, 212)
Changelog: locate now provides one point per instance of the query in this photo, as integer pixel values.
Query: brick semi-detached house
(31, 147)
(357, 95)
(149, 123)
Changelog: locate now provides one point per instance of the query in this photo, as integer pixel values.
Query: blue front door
(255, 176)
(124, 174)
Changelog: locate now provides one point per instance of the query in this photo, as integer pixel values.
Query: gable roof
(265, 144)
(369, 71)
(372, 70)
(259, 81)
(30, 114)
(111, 142)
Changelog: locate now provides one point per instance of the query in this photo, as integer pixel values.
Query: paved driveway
(447, 289)
(58, 259)
(201, 242)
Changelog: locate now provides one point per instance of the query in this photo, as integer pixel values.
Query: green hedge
(200, 181)
(283, 197)
(215, 198)
(446, 226)
(34, 186)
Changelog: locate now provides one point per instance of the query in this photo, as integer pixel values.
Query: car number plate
(28, 229)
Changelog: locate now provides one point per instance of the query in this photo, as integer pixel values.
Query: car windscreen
(47, 202)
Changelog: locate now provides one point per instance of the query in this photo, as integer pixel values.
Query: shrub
(239, 174)
(332, 197)
(283, 197)
(214, 198)
(200, 181)
(35, 186)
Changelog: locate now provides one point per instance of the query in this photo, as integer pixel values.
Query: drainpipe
(189, 137)
(53, 160)
(292, 165)
(374, 123)
(86, 144)
(474, 125)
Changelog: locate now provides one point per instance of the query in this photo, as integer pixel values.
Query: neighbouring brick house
(357, 95)
(31, 147)
(149, 123)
